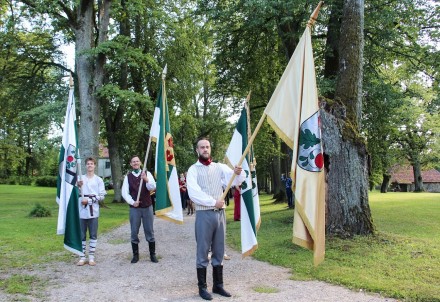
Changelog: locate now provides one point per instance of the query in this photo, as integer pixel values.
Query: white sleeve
(126, 192)
(151, 184)
(101, 189)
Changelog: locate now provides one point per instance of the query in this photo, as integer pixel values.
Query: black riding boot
(217, 288)
(152, 247)
(203, 289)
(135, 248)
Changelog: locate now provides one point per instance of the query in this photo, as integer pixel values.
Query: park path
(114, 278)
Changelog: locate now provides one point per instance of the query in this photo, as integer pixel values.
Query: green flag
(67, 191)
(249, 204)
(168, 202)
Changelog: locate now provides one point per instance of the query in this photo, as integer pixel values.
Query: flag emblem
(310, 156)
(70, 175)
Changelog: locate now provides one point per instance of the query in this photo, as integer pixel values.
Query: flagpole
(314, 15)
(249, 130)
(310, 23)
(144, 168)
(78, 158)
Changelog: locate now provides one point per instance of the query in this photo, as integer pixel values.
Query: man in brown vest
(141, 209)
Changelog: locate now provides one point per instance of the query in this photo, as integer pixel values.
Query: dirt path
(174, 277)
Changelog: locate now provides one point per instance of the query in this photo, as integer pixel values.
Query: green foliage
(40, 211)
(387, 263)
(46, 181)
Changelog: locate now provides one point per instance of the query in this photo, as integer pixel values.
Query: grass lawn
(402, 260)
(26, 241)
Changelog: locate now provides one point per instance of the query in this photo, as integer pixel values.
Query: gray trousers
(210, 229)
(92, 225)
(146, 216)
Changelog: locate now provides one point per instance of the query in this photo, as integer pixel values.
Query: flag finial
(164, 72)
(314, 15)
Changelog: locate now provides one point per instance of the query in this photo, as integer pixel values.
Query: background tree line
(376, 63)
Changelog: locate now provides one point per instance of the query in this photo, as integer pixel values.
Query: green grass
(402, 260)
(25, 240)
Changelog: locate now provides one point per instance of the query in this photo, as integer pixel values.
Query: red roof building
(402, 178)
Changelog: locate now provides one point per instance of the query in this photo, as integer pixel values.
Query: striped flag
(67, 191)
(168, 202)
(293, 112)
(249, 204)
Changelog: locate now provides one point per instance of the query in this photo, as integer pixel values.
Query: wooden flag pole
(310, 23)
(249, 130)
(78, 159)
(144, 168)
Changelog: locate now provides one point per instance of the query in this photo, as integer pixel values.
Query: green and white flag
(168, 202)
(250, 204)
(67, 191)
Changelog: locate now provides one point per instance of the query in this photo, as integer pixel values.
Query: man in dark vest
(205, 181)
(141, 209)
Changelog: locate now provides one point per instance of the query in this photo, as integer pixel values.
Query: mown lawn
(402, 260)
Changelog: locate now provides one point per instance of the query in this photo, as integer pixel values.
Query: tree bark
(89, 107)
(348, 211)
(90, 72)
(418, 181)
(385, 183)
(351, 49)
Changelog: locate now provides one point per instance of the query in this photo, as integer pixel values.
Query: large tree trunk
(418, 181)
(385, 183)
(89, 106)
(348, 211)
(90, 73)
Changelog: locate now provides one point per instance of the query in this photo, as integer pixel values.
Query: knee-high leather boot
(203, 289)
(217, 288)
(135, 248)
(152, 247)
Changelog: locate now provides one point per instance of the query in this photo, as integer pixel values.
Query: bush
(40, 211)
(25, 181)
(46, 181)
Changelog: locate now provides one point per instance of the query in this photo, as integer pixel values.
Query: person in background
(182, 188)
(92, 192)
(288, 184)
(237, 202)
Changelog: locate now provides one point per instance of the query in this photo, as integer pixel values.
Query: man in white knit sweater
(205, 182)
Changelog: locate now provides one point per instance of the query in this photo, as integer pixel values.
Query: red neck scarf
(205, 162)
